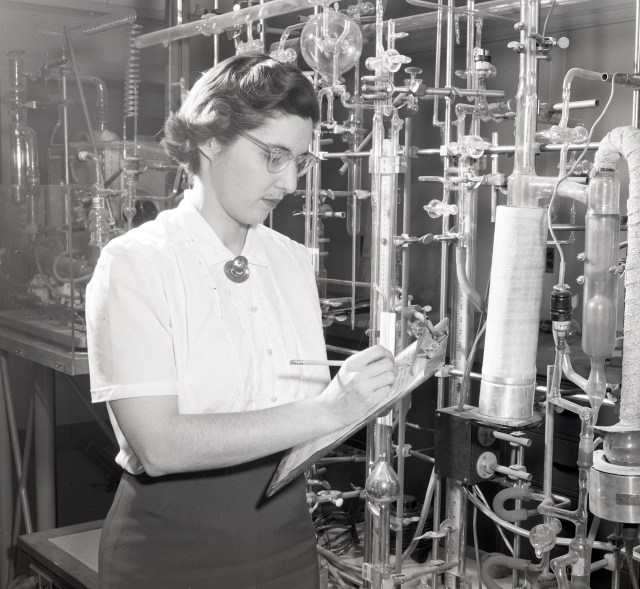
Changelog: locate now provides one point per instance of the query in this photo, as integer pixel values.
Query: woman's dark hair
(238, 94)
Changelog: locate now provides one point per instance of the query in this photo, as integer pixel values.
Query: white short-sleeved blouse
(163, 319)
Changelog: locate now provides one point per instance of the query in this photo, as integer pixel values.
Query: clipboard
(416, 363)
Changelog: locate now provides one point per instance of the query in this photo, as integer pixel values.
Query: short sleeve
(130, 347)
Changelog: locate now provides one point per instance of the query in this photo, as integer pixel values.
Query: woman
(191, 353)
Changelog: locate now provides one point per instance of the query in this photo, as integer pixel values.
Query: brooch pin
(237, 270)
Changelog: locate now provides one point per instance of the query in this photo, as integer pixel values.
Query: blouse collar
(202, 235)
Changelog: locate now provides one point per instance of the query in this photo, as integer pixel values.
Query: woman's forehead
(287, 131)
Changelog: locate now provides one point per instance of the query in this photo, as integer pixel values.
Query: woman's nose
(288, 178)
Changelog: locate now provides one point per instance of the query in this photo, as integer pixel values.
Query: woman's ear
(208, 150)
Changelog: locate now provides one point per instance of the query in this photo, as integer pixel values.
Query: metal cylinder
(614, 492)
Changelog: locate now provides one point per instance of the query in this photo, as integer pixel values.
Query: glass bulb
(543, 536)
(287, 55)
(331, 43)
(559, 134)
(99, 226)
(437, 208)
(382, 486)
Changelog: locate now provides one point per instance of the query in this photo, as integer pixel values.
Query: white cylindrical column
(625, 142)
(517, 272)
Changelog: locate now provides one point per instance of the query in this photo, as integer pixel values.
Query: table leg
(6, 487)
(45, 447)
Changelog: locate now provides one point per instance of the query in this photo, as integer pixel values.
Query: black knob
(561, 307)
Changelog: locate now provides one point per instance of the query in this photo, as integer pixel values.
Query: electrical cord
(546, 20)
(465, 385)
(480, 497)
(423, 516)
(346, 571)
(336, 576)
(475, 543)
(467, 369)
(336, 530)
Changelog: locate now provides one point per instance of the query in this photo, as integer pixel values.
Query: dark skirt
(209, 530)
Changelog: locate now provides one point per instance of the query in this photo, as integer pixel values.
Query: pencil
(316, 362)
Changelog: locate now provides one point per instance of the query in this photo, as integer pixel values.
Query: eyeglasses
(280, 158)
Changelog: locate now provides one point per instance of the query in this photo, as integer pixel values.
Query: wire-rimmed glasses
(280, 158)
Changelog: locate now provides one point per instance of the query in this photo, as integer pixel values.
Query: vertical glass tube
(312, 197)
(602, 235)
(384, 165)
(600, 298)
(526, 111)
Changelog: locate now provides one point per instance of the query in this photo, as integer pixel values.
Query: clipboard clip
(432, 338)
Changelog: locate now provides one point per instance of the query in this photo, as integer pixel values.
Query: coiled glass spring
(132, 73)
(109, 21)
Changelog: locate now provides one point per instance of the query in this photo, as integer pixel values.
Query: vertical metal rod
(26, 460)
(45, 447)
(518, 458)
(617, 554)
(65, 161)
(65, 131)
(22, 497)
(263, 31)
(313, 187)
(66, 182)
(438, 59)
(406, 229)
(172, 64)
(6, 488)
(467, 222)
(354, 254)
(403, 406)
(635, 108)
(177, 65)
(184, 15)
(445, 136)
(495, 191)
(312, 197)
(354, 182)
(216, 38)
(549, 425)
(462, 543)
(13, 428)
(83, 102)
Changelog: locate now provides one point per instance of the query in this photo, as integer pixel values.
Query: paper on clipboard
(416, 363)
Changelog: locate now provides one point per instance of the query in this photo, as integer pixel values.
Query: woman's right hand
(364, 380)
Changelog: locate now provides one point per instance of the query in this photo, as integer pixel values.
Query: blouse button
(254, 309)
(274, 399)
(269, 351)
